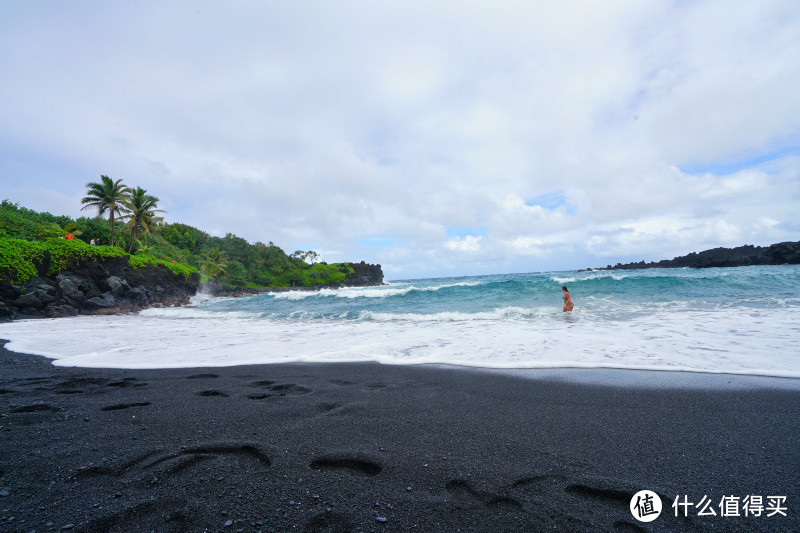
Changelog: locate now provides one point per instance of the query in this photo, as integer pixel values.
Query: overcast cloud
(435, 138)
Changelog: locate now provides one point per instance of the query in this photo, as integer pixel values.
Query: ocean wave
(198, 313)
(504, 313)
(365, 292)
(201, 298)
(295, 295)
(689, 275)
(589, 277)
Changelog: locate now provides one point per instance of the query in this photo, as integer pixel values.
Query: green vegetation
(27, 236)
(20, 259)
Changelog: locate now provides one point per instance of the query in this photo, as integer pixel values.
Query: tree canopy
(140, 212)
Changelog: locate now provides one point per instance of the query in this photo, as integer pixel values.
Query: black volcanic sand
(367, 447)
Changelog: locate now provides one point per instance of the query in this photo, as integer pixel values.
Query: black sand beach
(367, 447)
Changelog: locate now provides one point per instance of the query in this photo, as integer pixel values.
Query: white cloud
(666, 127)
(468, 243)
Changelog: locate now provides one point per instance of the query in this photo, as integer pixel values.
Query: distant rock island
(782, 253)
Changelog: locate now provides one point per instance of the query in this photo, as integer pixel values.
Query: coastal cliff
(106, 286)
(111, 285)
(777, 254)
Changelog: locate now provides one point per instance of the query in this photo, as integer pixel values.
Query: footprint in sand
(120, 406)
(172, 463)
(462, 490)
(213, 392)
(602, 495)
(346, 463)
(276, 389)
(148, 516)
(83, 385)
(36, 408)
(341, 382)
(127, 382)
(618, 498)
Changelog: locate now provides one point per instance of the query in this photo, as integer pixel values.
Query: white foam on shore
(732, 341)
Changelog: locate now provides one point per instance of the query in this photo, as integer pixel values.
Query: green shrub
(64, 252)
(19, 258)
(143, 260)
(183, 236)
(321, 274)
(15, 223)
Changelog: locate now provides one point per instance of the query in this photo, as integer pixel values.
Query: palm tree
(214, 261)
(106, 196)
(140, 211)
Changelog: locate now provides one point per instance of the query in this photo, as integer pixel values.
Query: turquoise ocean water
(736, 320)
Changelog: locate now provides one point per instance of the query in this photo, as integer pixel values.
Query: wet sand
(369, 447)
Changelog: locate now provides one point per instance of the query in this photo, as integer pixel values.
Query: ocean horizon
(741, 320)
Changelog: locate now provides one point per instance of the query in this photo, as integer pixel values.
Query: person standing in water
(568, 305)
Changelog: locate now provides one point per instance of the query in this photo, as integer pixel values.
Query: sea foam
(703, 321)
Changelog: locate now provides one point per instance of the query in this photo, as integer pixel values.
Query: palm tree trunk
(133, 238)
(111, 225)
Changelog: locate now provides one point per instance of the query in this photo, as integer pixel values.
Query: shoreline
(625, 375)
(370, 447)
(642, 378)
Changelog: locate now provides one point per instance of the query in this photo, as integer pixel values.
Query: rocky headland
(112, 286)
(95, 287)
(782, 253)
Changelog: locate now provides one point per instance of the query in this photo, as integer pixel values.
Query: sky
(437, 138)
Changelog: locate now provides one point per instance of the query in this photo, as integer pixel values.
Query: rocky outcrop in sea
(365, 275)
